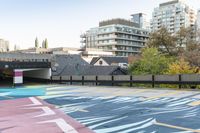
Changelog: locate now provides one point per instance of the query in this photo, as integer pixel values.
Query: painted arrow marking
(34, 101)
(66, 128)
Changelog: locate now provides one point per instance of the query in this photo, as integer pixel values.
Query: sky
(62, 21)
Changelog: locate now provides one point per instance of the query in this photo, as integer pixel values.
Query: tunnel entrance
(41, 76)
(10, 77)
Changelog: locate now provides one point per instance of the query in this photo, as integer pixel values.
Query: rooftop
(171, 2)
(118, 21)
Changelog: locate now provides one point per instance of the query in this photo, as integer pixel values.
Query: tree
(193, 56)
(186, 37)
(43, 44)
(192, 52)
(36, 43)
(151, 62)
(46, 44)
(181, 67)
(163, 41)
(15, 47)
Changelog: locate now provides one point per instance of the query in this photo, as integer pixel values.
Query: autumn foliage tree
(181, 67)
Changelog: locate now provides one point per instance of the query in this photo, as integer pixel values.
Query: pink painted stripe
(33, 115)
(18, 74)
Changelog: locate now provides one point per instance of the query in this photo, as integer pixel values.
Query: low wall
(117, 79)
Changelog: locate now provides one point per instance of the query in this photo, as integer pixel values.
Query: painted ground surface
(120, 110)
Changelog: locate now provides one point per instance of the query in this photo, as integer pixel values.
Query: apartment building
(119, 36)
(90, 38)
(173, 15)
(198, 19)
(141, 19)
(4, 45)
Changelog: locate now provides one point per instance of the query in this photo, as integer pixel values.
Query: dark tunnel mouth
(7, 79)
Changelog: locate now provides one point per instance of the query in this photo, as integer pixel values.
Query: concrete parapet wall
(104, 77)
(166, 77)
(55, 78)
(142, 77)
(190, 77)
(90, 78)
(122, 77)
(76, 77)
(65, 77)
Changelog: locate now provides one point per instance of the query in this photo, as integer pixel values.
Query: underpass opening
(38, 75)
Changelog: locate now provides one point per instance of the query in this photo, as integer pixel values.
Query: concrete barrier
(122, 78)
(75, 77)
(105, 78)
(65, 77)
(55, 78)
(166, 78)
(93, 78)
(142, 78)
(190, 78)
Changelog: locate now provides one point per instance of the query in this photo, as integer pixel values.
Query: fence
(185, 79)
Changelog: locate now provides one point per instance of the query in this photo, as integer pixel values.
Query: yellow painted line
(56, 92)
(195, 103)
(53, 96)
(163, 95)
(54, 88)
(177, 127)
(121, 93)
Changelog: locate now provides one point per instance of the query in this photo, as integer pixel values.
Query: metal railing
(183, 79)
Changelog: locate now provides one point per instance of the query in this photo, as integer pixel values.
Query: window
(100, 62)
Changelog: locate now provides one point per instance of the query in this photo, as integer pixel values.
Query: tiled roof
(92, 70)
(110, 60)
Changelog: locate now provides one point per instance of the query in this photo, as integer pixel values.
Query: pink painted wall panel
(18, 73)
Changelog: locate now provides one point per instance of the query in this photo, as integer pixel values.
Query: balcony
(83, 36)
(83, 41)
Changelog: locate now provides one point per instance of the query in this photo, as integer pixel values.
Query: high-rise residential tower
(173, 15)
(141, 19)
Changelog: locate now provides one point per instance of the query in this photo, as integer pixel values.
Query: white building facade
(173, 15)
(198, 19)
(119, 36)
(90, 38)
(4, 45)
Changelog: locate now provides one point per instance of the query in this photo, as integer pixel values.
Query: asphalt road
(121, 110)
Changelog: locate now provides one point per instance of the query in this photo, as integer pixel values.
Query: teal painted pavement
(21, 92)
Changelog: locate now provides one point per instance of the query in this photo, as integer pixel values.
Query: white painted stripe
(110, 121)
(34, 101)
(62, 124)
(114, 129)
(140, 127)
(5, 93)
(47, 111)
